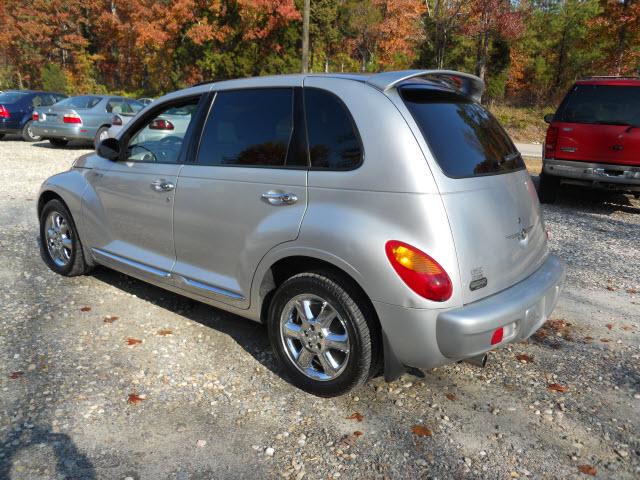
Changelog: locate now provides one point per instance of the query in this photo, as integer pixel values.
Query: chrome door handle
(279, 198)
(162, 186)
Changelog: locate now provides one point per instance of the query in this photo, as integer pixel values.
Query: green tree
(53, 78)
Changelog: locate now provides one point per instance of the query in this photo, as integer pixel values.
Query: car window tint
(11, 97)
(134, 106)
(161, 138)
(465, 139)
(48, 100)
(83, 101)
(601, 104)
(249, 128)
(333, 141)
(36, 101)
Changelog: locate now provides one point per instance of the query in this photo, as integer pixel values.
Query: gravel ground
(104, 376)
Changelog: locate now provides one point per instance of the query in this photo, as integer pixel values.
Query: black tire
(101, 131)
(27, 134)
(548, 188)
(76, 264)
(58, 142)
(364, 356)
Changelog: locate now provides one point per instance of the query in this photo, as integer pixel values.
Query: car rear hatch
(597, 123)
(489, 197)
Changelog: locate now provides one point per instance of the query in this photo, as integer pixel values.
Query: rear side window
(83, 101)
(250, 127)
(465, 139)
(601, 104)
(333, 141)
(12, 97)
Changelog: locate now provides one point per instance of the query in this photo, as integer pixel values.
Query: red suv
(593, 139)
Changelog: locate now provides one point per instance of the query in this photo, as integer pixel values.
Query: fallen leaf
(632, 290)
(524, 358)
(588, 339)
(451, 396)
(605, 340)
(588, 470)
(556, 387)
(609, 325)
(358, 433)
(611, 288)
(347, 441)
(164, 332)
(357, 416)
(134, 398)
(133, 341)
(626, 327)
(421, 431)
(15, 375)
(110, 319)
(85, 309)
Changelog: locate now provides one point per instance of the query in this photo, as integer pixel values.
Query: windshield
(11, 97)
(601, 104)
(465, 139)
(85, 101)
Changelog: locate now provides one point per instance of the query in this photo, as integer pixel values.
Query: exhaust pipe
(478, 360)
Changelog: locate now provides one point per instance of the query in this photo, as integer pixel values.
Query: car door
(245, 194)
(130, 207)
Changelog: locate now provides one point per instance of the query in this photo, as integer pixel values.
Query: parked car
(372, 222)
(16, 109)
(173, 122)
(85, 117)
(145, 101)
(593, 140)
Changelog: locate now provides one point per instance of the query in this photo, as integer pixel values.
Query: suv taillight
(34, 116)
(419, 271)
(71, 118)
(550, 141)
(116, 120)
(4, 113)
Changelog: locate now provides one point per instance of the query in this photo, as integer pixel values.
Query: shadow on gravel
(70, 146)
(251, 336)
(595, 201)
(70, 462)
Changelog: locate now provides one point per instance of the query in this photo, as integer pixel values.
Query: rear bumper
(10, 126)
(594, 174)
(519, 310)
(428, 338)
(69, 132)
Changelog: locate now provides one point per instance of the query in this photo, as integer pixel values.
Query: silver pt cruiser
(372, 222)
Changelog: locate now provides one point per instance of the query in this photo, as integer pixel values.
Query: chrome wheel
(103, 135)
(314, 337)
(58, 238)
(30, 133)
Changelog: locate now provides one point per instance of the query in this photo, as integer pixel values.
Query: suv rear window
(601, 104)
(465, 139)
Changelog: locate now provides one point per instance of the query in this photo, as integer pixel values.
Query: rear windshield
(84, 101)
(11, 97)
(601, 104)
(466, 140)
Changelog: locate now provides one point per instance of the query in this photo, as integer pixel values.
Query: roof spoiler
(466, 83)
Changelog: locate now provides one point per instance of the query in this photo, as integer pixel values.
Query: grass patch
(534, 165)
(524, 124)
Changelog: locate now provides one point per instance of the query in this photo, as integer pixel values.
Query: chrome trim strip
(205, 287)
(131, 263)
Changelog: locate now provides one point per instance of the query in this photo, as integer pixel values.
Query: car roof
(611, 81)
(33, 92)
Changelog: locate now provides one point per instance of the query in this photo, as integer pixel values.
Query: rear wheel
(27, 133)
(58, 142)
(101, 134)
(322, 331)
(60, 244)
(548, 189)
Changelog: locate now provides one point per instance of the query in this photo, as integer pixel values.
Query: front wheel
(58, 142)
(27, 133)
(323, 332)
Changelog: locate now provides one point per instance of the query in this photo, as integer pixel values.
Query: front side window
(333, 141)
(250, 127)
(161, 138)
(465, 139)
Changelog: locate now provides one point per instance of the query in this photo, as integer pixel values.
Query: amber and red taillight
(419, 271)
(550, 141)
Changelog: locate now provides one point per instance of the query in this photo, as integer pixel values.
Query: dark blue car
(16, 109)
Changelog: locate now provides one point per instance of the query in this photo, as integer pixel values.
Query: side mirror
(549, 117)
(109, 148)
